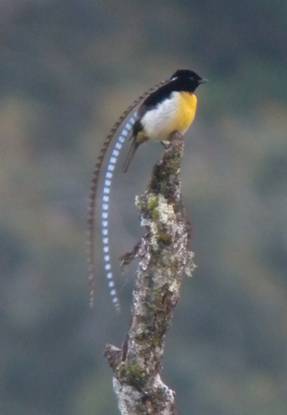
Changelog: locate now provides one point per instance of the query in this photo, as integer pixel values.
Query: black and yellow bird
(168, 110)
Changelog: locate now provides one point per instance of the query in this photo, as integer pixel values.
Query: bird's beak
(203, 81)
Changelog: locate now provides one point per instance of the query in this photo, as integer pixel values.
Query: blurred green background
(68, 68)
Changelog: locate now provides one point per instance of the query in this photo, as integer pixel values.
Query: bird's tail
(125, 122)
(131, 152)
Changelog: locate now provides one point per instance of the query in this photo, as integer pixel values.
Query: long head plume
(105, 205)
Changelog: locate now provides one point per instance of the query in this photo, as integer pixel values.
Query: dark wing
(159, 95)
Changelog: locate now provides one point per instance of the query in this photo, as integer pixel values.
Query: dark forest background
(68, 68)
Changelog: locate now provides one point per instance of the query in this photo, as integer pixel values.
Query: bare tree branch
(164, 260)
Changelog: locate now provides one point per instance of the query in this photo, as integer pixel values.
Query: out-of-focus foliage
(68, 68)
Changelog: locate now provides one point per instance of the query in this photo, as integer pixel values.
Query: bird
(164, 109)
(168, 110)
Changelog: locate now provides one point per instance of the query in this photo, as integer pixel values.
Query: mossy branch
(164, 260)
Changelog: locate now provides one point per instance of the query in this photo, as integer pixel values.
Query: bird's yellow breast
(186, 111)
(174, 114)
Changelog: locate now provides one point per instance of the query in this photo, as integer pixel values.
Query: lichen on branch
(165, 259)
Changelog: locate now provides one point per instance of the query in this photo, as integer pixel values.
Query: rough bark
(165, 259)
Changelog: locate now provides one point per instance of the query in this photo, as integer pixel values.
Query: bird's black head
(187, 80)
